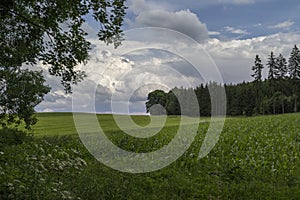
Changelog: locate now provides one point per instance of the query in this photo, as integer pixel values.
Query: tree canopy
(49, 32)
(20, 91)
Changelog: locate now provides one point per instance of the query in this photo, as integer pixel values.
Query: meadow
(255, 158)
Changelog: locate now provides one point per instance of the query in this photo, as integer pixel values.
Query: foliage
(154, 98)
(12, 137)
(176, 102)
(255, 158)
(20, 92)
(39, 169)
(51, 32)
(278, 98)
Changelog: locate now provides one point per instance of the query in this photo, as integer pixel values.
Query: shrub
(9, 136)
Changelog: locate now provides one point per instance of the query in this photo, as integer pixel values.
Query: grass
(255, 158)
(53, 124)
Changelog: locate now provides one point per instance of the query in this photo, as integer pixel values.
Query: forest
(278, 93)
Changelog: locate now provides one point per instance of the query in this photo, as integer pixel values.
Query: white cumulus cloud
(235, 31)
(152, 15)
(235, 57)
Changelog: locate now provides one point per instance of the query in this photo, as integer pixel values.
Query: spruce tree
(257, 68)
(272, 66)
(281, 74)
(294, 63)
(272, 73)
(294, 72)
(257, 75)
(281, 67)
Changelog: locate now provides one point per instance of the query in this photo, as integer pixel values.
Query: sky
(190, 42)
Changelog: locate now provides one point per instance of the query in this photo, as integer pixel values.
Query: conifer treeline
(279, 93)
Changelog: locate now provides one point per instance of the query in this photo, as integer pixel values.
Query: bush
(39, 169)
(9, 136)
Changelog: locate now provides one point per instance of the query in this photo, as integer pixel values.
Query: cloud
(257, 25)
(171, 4)
(238, 2)
(139, 6)
(283, 25)
(128, 78)
(235, 31)
(235, 57)
(152, 15)
(213, 33)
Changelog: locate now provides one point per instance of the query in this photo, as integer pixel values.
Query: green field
(255, 158)
(53, 124)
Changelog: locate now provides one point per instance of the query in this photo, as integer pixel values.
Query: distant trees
(169, 102)
(277, 94)
(157, 97)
